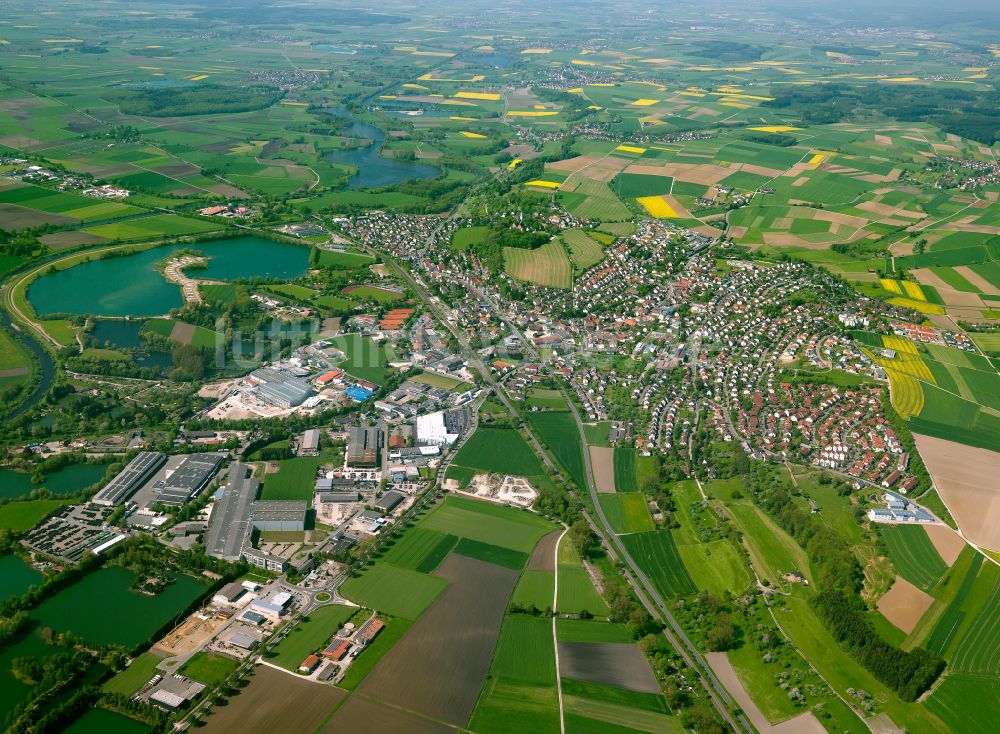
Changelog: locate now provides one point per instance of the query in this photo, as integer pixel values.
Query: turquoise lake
(131, 285)
(15, 484)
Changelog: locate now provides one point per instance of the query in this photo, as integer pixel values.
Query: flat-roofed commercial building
(279, 515)
(229, 525)
(136, 473)
(187, 479)
(363, 446)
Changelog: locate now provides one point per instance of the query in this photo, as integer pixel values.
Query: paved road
(654, 602)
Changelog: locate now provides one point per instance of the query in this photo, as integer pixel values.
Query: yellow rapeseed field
(544, 184)
(631, 149)
(531, 113)
(644, 102)
(514, 163)
(920, 306)
(657, 207)
(891, 285)
(487, 96)
(774, 128)
(474, 136)
(913, 290)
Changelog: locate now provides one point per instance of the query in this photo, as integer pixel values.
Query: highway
(654, 603)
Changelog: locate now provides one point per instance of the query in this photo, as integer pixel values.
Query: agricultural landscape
(561, 368)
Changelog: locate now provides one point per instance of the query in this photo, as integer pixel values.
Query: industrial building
(279, 515)
(309, 443)
(136, 473)
(363, 446)
(441, 428)
(229, 524)
(389, 501)
(279, 388)
(184, 481)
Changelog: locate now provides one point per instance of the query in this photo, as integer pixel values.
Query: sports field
(310, 635)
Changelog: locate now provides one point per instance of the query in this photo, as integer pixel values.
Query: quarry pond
(130, 285)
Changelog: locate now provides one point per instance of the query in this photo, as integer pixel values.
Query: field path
(555, 640)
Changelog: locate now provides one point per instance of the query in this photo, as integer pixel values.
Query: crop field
(491, 554)
(535, 588)
(274, 701)
(393, 590)
(342, 260)
(914, 555)
(516, 530)
(657, 207)
(547, 265)
(951, 702)
(520, 690)
(577, 592)
(309, 635)
(420, 549)
(610, 664)
(438, 668)
(627, 512)
(558, 433)
(465, 237)
(636, 185)
(580, 630)
(372, 293)
(498, 450)
(625, 469)
(657, 555)
(151, 228)
(976, 648)
(585, 251)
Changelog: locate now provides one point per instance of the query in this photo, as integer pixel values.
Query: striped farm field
(891, 285)
(657, 207)
(656, 554)
(921, 306)
(913, 290)
(906, 394)
(585, 250)
(899, 344)
(546, 265)
(914, 555)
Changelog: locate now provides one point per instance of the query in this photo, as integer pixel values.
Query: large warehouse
(280, 389)
(136, 473)
(363, 446)
(229, 524)
(186, 479)
(279, 515)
